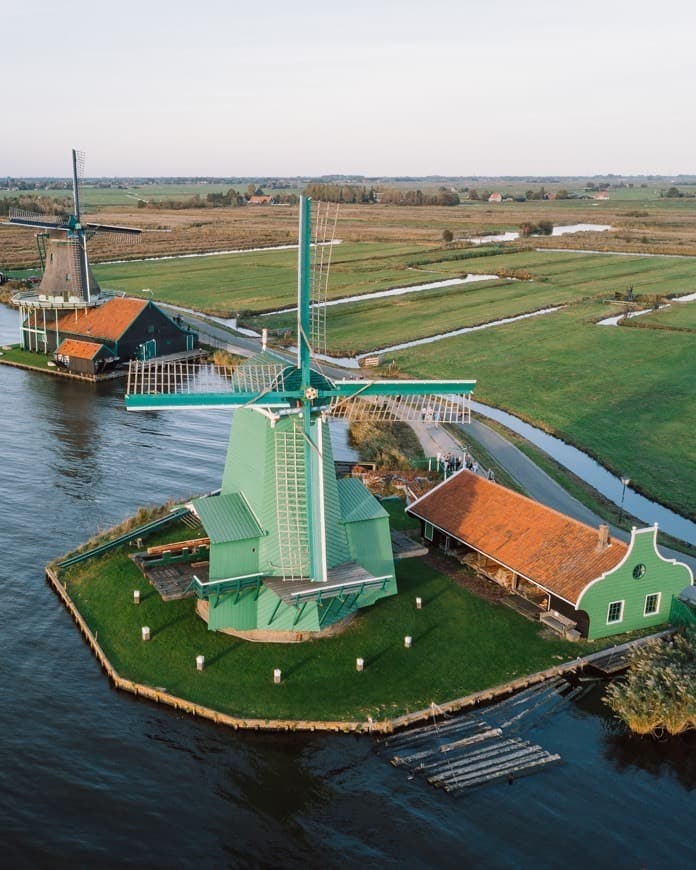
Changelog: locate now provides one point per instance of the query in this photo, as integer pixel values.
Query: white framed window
(615, 612)
(428, 531)
(652, 604)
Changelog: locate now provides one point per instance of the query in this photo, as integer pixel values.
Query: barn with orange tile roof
(579, 577)
(84, 357)
(127, 328)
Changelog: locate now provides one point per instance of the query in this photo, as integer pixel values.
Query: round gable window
(639, 571)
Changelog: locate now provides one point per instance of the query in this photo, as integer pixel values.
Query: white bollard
(359, 664)
(408, 640)
(277, 674)
(145, 632)
(200, 663)
(136, 596)
(419, 603)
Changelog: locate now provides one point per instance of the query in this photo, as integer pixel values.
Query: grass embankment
(461, 644)
(26, 358)
(390, 445)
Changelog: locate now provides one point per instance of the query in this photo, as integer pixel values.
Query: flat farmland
(557, 279)
(257, 281)
(626, 396)
(640, 221)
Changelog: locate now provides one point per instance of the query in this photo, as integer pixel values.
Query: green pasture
(461, 644)
(364, 326)
(679, 315)
(258, 280)
(559, 279)
(623, 395)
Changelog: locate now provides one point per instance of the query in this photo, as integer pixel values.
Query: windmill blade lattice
(34, 218)
(415, 408)
(324, 235)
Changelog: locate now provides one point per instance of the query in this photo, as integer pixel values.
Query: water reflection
(669, 756)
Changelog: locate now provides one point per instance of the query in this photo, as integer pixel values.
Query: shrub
(659, 691)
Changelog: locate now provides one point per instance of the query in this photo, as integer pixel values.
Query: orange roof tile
(79, 349)
(549, 548)
(108, 321)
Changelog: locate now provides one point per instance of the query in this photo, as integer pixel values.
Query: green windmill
(293, 549)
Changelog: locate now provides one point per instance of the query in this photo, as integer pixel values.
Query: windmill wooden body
(68, 282)
(293, 549)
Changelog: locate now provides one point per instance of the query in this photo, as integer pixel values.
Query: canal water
(90, 777)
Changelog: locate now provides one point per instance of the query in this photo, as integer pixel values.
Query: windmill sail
(324, 235)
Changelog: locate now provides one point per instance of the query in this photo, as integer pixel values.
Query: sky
(368, 87)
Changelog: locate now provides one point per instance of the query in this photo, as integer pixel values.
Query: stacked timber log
(483, 746)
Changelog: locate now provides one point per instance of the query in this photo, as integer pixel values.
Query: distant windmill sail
(67, 273)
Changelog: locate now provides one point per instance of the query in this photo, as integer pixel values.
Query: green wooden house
(581, 579)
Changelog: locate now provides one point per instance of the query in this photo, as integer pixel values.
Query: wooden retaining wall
(381, 726)
(61, 373)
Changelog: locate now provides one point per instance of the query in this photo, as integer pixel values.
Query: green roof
(357, 502)
(227, 518)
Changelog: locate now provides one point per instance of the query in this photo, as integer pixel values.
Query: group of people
(451, 463)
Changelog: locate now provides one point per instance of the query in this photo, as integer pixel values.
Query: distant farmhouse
(90, 341)
(495, 197)
(260, 200)
(581, 581)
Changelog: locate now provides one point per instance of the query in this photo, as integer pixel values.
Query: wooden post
(145, 632)
(408, 640)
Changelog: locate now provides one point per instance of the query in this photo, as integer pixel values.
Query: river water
(91, 777)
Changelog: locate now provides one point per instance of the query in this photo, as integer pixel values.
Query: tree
(447, 236)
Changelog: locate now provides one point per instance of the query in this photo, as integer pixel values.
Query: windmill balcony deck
(346, 579)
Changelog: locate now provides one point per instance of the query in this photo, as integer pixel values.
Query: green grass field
(461, 644)
(260, 280)
(680, 315)
(624, 395)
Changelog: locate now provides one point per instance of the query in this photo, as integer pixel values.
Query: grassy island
(461, 644)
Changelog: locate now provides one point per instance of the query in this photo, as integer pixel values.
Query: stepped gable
(73, 347)
(108, 321)
(551, 549)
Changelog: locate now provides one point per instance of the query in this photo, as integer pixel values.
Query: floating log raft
(477, 748)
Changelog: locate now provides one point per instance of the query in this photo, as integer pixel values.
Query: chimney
(602, 537)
